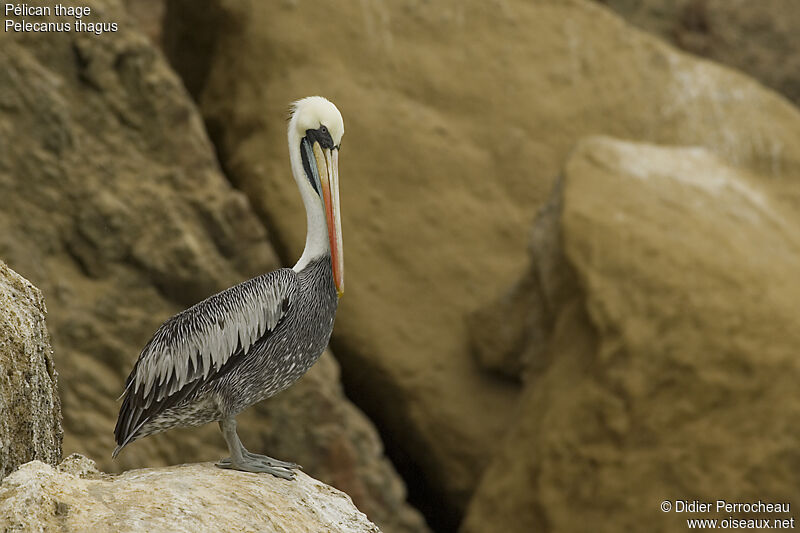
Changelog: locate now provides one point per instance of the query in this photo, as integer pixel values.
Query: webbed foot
(271, 461)
(251, 465)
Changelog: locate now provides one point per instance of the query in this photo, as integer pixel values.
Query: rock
(670, 368)
(113, 203)
(30, 424)
(759, 38)
(187, 498)
(148, 15)
(458, 116)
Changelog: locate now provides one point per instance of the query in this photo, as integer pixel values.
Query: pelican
(251, 341)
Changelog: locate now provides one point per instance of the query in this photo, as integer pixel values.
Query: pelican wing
(200, 343)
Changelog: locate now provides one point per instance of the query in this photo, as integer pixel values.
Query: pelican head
(315, 135)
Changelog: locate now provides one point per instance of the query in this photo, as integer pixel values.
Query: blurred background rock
(637, 340)
(759, 38)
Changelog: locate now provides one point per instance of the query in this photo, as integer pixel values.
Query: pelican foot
(271, 461)
(241, 459)
(261, 459)
(250, 465)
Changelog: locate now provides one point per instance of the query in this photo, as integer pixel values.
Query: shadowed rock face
(112, 202)
(670, 367)
(30, 409)
(188, 498)
(458, 116)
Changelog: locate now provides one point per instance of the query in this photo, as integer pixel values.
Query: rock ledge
(75, 496)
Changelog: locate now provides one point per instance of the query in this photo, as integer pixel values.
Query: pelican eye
(320, 135)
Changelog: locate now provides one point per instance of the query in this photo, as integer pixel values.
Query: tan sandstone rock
(759, 38)
(113, 203)
(188, 498)
(458, 116)
(670, 368)
(30, 409)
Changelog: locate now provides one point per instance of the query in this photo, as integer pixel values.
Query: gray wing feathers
(197, 342)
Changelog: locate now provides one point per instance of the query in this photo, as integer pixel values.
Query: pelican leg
(241, 459)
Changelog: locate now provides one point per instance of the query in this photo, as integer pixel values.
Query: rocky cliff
(30, 408)
(645, 346)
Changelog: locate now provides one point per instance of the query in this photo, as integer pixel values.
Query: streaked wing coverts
(198, 343)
